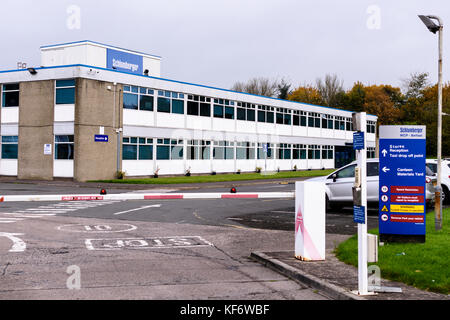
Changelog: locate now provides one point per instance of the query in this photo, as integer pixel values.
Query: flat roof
(99, 44)
(180, 82)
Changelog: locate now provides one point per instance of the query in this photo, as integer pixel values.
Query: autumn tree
(306, 94)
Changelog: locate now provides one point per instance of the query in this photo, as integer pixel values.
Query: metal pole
(362, 227)
(438, 198)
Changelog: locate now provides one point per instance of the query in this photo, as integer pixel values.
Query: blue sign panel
(124, 61)
(101, 138)
(402, 201)
(359, 214)
(358, 141)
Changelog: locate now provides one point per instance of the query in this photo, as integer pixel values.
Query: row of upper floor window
(146, 99)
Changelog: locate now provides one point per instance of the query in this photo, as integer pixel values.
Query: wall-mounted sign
(402, 182)
(358, 140)
(47, 149)
(101, 138)
(124, 61)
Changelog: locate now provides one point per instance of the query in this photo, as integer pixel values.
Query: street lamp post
(429, 23)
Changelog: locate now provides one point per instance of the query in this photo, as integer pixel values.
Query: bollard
(310, 221)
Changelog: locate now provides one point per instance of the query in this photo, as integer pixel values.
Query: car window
(372, 169)
(348, 172)
(432, 166)
(429, 172)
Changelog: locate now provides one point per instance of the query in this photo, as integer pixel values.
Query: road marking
(10, 220)
(137, 209)
(112, 227)
(18, 244)
(147, 243)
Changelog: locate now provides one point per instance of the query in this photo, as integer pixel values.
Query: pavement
(335, 278)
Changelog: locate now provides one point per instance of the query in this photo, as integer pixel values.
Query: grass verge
(422, 265)
(220, 177)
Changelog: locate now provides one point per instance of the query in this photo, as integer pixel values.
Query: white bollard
(310, 221)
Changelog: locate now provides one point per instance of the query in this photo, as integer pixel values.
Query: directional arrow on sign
(386, 169)
(384, 152)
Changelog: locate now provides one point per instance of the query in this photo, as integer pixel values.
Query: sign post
(360, 198)
(402, 204)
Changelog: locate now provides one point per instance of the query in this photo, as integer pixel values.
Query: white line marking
(18, 244)
(137, 209)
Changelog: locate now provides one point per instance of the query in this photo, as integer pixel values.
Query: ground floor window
(198, 150)
(135, 148)
(327, 152)
(10, 147)
(64, 147)
(313, 152)
(169, 149)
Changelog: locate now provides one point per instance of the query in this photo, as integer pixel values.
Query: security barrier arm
(150, 196)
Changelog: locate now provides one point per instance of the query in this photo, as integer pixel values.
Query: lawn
(422, 265)
(220, 177)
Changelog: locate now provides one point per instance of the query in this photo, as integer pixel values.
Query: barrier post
(310, 220)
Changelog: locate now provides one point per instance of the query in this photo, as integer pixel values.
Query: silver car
(339, 184)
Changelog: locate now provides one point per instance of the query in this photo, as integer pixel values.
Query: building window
(265, 151)
(245, 151)
(10, 146)
(199, 106)
(135, 148)
(65, 91)
(246, 111)
(299, 151)
(146, 99)
(223, 109)
(349, 124)
(299, 118)
(284, 151)
(135, 98)
(10, 95)
(313, 152)
(170, 102)
(169, 149)
(327, 121)
(198, 150)
(283, 116)
(313, 120)
(64, 147)
(223, 150)
(371, 126)
(327, 152)
(339, 123)
(371, 153)
(266, 114)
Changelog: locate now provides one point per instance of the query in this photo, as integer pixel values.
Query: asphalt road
(171, 249)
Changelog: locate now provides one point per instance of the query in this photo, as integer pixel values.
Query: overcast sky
(219, 42)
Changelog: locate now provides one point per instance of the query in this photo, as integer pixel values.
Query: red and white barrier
(152, 196)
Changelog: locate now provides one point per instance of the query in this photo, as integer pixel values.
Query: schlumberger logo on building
(125, 65)
(124, 61)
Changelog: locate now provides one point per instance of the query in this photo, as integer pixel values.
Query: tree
(331, 90)
(378, 101)
(306, 94)
(415, 85)
(260, 86)
(284, 89)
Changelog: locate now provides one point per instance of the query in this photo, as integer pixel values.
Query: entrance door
(343, 156)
